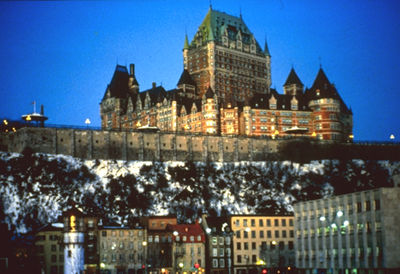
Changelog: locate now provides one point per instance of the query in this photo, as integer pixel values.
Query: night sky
(63, 54)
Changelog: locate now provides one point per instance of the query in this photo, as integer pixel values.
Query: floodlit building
(225, 89)
(262, 242)
(351, 233)
(122, 249)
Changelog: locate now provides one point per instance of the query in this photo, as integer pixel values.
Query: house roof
(322, 88)
(119, 83)
(188, 230)
(293, 79)
(186, 79)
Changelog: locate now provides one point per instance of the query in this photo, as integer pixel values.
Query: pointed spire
(266, 50)
(186, 44)
(293, 78)
(321, 81)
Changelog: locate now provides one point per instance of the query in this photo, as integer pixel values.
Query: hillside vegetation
(35, 188)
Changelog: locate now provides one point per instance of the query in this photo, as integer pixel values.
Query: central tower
(225, 56)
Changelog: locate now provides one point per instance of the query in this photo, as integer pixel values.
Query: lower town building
(188, 248)
(351, 233)
(122, 249)
(262, 242)
(159, 243)
(218, 245)
(49, 249)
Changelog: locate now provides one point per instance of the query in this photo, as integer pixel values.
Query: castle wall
(143, 146)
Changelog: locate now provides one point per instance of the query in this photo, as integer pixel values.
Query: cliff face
(36, 188)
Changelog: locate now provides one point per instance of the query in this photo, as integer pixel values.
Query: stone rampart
(143, 146)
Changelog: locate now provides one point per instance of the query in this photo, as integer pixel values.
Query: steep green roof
(186, 45)
(216, 24)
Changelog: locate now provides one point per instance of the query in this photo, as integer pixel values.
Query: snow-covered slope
(35, 188)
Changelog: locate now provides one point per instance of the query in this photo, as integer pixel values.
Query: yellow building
(49, 249)
(262, 242)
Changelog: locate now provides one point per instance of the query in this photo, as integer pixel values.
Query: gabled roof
(188, 230)
(186, 79)
(293, 79)
(154, 93)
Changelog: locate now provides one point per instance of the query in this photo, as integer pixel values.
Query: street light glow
(339, 213)
(322, 218)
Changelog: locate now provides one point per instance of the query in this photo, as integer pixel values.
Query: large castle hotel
(225, 89)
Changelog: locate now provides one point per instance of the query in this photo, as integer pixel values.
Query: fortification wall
(144, 146)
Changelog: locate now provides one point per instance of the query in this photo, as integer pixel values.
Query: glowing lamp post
(87, 122)
(333, 224)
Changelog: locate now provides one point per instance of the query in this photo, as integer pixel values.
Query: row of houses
(352, 233)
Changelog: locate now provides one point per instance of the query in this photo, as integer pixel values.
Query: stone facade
(143, 146)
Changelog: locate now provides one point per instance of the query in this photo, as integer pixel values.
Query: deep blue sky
(63, 54)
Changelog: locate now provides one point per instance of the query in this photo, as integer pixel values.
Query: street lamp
(87, 122)
(144, 244)
(336, 222)
(275, 245)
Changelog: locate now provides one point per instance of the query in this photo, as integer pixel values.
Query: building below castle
(225, 89)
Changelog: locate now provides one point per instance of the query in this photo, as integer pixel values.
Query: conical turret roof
(293, 79)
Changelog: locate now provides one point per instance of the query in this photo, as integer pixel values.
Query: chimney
(42, 109)
(132, 69)
(153, 85)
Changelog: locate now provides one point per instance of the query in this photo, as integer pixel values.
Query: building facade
(49, 249)
(351, 233)
(188, 248)
(262, 242)
(225, 89)
(122, 249)
(219, 245)
(159, 243)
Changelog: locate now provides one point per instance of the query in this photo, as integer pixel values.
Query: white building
(352, 233)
